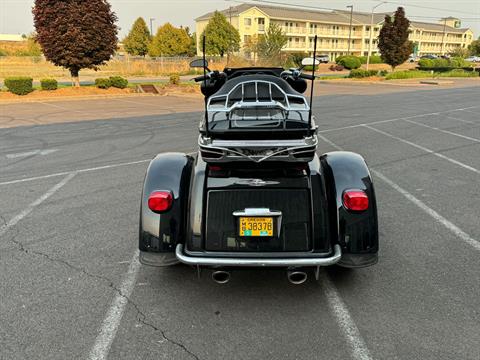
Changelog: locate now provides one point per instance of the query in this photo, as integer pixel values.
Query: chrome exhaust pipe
(297, 277)
(221, 277)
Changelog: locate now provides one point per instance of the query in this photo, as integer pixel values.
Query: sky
(16, 16)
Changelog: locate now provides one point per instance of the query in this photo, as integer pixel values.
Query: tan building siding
(332, 29)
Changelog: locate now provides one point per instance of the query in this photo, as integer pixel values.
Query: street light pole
(151, 26)
(350, 30)
(371, 34)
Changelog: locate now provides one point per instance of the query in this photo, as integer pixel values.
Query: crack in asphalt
(141, 316)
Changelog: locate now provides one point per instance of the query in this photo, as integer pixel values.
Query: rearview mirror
(199, 63)
(310, 61)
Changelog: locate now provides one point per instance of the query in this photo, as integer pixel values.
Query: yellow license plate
(256, 226)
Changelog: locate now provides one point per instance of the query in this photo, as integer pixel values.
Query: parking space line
(444, 131)
(114, 316)
(347, 325)
(74, 171)
(435, 215)
(395, 119)
(79, 171)
(15, 220)
(453, 161)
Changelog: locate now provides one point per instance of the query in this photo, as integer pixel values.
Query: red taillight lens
(160, 201)
(355, 200)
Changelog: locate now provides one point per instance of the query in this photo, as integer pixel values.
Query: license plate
(256, 226)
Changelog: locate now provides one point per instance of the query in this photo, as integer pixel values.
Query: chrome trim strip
(261, 262)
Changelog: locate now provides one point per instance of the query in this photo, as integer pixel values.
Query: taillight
(355, 200)
(160, 201)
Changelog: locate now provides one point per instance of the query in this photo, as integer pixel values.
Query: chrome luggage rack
(264, 96)
(296, 150)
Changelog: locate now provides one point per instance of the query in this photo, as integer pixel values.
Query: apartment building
(333, 30)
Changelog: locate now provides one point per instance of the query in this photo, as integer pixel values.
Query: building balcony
(334, 33)
(294, 30)
(296, 46)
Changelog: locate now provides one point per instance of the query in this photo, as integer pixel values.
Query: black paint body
(319, 185)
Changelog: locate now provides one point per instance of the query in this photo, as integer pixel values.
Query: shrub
(443, 64)
(383, 73)
(103, 83)
(374, 59)
(174, 79)
(49, 84)
(19, 85)
(118, 82)
(349, 62)
(360, 73)
(408, 74)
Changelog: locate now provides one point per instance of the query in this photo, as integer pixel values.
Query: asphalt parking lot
(72, 288)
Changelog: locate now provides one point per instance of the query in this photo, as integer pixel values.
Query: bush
(360, 73)
(383, 73)
(349, 62)
(412, 74)
(49, 84)
(19, 85)
(374, 59)
(103, 83)
(174, 79)
(443, 64)
(118, 82)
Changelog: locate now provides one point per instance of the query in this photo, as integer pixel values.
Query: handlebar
(200, 78)
(307, 76)
(215, 75)
(296, 74)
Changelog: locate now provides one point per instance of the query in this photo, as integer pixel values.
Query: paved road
(71, 287)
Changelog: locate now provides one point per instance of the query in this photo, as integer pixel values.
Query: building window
(248, 22)
(261, 24)
(246, 38)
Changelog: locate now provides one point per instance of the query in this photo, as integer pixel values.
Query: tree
(251, 46)
(138, 40)
(221, 36)
(474, 47)
(169, 41)
(76, 34)
(393, 40)
(271, 44)
(192, 49)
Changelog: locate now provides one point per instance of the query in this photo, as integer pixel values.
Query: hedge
(103, 83)
(412, 74)
(360, 73)
(19, 85)
(349, 62)
(374, 59)
(118, 82)
(443, 64)
(49, 84)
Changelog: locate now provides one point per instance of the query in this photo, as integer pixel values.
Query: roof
(436, 27)
(336, 16)
(280, 12)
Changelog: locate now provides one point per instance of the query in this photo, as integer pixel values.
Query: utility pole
(371, 34)
(151, 26)
(350, 30)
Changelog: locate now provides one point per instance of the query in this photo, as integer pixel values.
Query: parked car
(474, 59)
(324, 59)
(429, 56)
(257, 194)
(413, 58)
